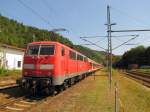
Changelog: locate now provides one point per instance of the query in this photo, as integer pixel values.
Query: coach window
(62, 51)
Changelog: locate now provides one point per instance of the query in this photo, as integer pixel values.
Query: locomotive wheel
(50, 90)
(69, 83)
(59, 89)
(65, 85)
(72, 81)
(33, 91)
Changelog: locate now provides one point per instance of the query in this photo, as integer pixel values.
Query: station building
(11, 57)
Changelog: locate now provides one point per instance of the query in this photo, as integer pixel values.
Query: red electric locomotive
(50, 66)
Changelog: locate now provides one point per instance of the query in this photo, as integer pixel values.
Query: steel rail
(140, 77)
(9, 86)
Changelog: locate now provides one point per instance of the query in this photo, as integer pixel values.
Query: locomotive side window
(62, 51)
(80, 57)
(72, 55)
(41, 49)
(85, 59)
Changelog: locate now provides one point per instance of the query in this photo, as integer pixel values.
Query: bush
(2, 70)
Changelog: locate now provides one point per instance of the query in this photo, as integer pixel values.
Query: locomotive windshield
(41, 50)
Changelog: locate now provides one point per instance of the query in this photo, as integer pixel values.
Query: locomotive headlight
(29, 66)
(46, 66)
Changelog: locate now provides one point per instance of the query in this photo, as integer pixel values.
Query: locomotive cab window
(62, 51)
(47, 50)
(41, 50)
(33, 50)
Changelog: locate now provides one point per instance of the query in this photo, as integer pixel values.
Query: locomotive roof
(53, 42)
(44, 42)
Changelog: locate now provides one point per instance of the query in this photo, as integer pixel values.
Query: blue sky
(85, 18)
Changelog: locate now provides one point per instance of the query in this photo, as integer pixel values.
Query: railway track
(9, 86)
(10, 105)
(16, 100)
(140, 77)
(22, 103)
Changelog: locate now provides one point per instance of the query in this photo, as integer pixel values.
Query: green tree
(19, 35)
(139, 55)
(147, 55)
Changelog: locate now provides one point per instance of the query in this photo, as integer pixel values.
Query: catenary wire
(34, 12)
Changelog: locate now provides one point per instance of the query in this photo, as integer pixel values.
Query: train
(52, 66)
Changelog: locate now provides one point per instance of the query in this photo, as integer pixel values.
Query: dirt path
(89, 95)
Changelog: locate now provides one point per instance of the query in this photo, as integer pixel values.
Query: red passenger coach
(50, 66)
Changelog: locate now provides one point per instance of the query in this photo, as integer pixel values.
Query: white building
(11, 57)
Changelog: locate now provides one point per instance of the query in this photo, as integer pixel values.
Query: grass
(89, 95)
(97, 97)
(134, 96)
(8, 77)
(5, 73)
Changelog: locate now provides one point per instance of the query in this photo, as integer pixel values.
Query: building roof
(11, 47)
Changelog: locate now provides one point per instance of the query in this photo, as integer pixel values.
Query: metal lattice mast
(109, 45)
